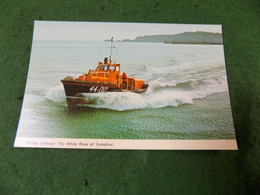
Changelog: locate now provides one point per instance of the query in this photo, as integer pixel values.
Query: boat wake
(129, 101)
(56, 94)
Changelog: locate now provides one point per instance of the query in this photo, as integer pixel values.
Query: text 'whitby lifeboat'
(106, 77)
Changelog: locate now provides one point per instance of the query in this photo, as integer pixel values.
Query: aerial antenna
(111, 50)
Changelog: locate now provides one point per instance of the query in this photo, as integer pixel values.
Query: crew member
(124, 77)
(105, 61)
(105, 65)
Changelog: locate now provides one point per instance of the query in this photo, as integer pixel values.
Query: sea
(187, 97)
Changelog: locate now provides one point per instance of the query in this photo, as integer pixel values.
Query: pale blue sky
(99, 31)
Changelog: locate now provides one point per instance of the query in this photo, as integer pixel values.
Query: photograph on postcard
(105, 85)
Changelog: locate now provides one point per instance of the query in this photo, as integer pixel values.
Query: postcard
(133, 86)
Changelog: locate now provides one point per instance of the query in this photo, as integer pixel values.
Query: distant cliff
(182, 38)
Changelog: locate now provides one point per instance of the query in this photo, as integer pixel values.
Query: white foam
(128, 101)
(56, 94)
(167, 98)
(116, 100)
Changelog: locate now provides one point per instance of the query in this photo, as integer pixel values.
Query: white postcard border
(125, 144)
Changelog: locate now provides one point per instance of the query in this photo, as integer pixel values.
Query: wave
(128, 101)
(56, 94)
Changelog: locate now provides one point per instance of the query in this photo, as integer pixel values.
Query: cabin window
(111, 68)
(104, 67)
(117, 68)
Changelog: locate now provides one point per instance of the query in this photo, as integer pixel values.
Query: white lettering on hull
(96, 89)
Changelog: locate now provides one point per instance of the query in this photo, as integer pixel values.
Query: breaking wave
(128, 101)
(56, 94)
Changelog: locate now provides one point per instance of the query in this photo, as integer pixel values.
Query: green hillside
(182, 38)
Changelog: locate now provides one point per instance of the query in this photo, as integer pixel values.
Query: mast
(110, 60)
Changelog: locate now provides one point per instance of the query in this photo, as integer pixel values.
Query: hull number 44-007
(98, 89)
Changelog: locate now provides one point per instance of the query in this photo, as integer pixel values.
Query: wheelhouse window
(112, 68)
(104, 67)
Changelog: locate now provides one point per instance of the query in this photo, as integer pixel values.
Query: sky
(100, 31)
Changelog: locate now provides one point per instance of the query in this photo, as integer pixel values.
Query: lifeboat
(106, 77)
